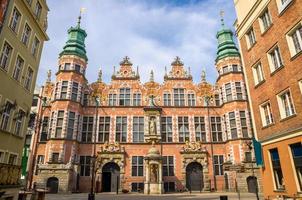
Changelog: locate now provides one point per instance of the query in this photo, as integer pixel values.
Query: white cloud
(151, 34)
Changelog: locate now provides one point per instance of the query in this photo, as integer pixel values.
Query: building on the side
(270, 37)
(151, 137)
(23, 31)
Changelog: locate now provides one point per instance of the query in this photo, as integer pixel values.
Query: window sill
(266, 30)
(268, 125)
(280, 190)
(250, 47)
(285, 7)
(296, 55)
(289, 117)
(276, 70)
(260, 83)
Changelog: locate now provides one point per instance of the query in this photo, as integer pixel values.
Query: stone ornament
(193, 147)
(112, 147)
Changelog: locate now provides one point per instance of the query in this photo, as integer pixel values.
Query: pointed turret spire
(100, 75)
(226, 44)
(166, 71)
(75, 44)
(151, 76)
(48, 80)
(203, 76)
(137, 71)
(189, 71)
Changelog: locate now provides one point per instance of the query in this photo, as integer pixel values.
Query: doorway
(52, 184)
(194, 177)
(252, 184)
(110, 177)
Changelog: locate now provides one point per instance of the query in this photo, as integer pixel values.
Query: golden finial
(82, 10)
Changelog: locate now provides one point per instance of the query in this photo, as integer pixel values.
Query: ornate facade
(151, 137)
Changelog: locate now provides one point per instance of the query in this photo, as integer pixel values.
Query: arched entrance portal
(52, 184)
(110, 177)
(252, 184)
(194, 177)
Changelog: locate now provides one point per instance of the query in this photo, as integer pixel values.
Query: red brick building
(270, 36)
(199, 131)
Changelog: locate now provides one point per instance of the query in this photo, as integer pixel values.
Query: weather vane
(222, 16)
(82, 10)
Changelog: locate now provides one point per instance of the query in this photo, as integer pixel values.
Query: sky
(151, 32)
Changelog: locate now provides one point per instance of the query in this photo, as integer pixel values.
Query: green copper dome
(75, 44)
(226, 45)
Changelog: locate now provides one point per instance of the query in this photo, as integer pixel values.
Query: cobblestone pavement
(183, 196)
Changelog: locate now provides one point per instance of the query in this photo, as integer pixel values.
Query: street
(111, 196)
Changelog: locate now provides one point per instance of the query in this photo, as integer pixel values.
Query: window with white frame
(217, 100)
(179, 97)
(137, 99)
(14, 23)
(26, 34)
(244, 129)
(183, 129)
(286, 105)
(64, 88)
(277, 170)
(200, 129)
(38, 10)
(124, 97)
(112, 100)
(251, 39)
(40, 159)
(216, 129)
(70, 126)
(235, 68)
(85, 162)
(138, 129)
(233, 126)
(35, 46)
(283, 4)
(168, 166)
(266, 114)
(77, 68)
(87, 128)
(18, 122)
(74, 91)
(295, 40)
(137, 168)
(258, 73)
(67, 66)
(85, 100)
(166, 129)
(228, 92)
(238, 90)
(191, 99)
(167, 99)
(296, 150)
(12, 159)
(275, 60)
(59, 125)
(104, 129)
(5, 118)
(218, 164)
(44, 129)
(18, 68)
(5, 56)
(28, 78)
(225, 69)
(266, 20)
(121, 129)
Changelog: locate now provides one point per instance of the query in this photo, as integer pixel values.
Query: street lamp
(249, 144)
(91, 195)
(208, 99)
(41, 107)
